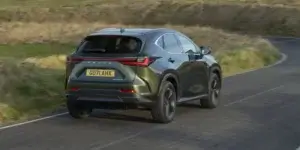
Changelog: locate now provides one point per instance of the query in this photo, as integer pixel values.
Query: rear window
(110, 45)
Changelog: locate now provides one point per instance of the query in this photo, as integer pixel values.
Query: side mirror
(191, 54)
(205, 50)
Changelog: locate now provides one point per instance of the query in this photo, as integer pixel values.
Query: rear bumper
(109, 99)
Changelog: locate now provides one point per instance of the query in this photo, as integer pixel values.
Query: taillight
(74, 89)
(74, 59)
(142, 61)
(127, 91)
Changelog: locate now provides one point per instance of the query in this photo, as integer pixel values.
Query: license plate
(100, 73)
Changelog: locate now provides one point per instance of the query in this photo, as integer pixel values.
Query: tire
(165, 107)
(214, 93)
(78, 111)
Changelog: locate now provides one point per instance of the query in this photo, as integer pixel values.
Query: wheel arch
(171, 76)
(216, 68)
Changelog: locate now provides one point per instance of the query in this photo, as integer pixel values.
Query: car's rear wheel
(78, 111)
(214, 93)
(165, 107)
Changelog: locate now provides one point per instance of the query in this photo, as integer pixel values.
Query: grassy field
(37, 35)
(22, 51)
(28, 89)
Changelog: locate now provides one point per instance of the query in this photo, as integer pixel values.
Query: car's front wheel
(165, 107)
(214, 93)
(78, 111)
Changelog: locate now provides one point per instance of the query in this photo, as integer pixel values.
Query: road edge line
(254, 95)
(283, 58)
(32, 121)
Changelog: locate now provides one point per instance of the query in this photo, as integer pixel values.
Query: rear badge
(94, 62)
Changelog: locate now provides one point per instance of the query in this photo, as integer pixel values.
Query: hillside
(32, 3)
(271, 17)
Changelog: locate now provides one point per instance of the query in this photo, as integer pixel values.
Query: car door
(177, 60)
(198, 69)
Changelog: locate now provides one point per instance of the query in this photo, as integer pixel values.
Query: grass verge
(27, 90)
(31, 68)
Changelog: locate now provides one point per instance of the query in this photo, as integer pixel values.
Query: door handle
(171, 60)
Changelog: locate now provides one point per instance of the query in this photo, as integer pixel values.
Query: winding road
(260, 111)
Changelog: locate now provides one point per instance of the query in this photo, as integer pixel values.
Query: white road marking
(251, 96)
(32, 121)
(283, 58)
(298, 148)
(123, 139)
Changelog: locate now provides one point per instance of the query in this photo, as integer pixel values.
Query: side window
(187, 44)
(171, 43)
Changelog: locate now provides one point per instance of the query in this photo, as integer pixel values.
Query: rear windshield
(110, 45)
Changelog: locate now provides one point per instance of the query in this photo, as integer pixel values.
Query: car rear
(102, 71)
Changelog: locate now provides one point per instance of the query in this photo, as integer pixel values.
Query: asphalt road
(260, 111)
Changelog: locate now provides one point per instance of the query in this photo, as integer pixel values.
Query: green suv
(140, 68)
